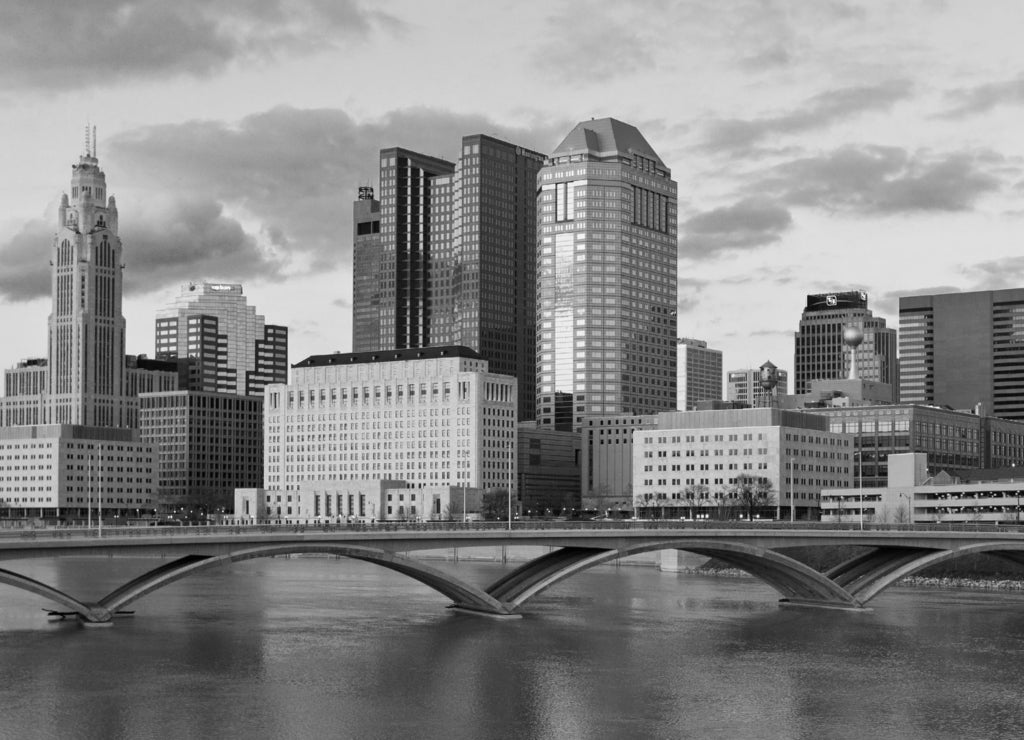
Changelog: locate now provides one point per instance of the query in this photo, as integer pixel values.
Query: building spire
(90, 140)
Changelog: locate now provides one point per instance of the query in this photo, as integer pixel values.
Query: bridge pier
(463, 609)
(809, 604)
(96, 615)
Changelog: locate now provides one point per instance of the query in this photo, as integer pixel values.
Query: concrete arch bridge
(889, 556)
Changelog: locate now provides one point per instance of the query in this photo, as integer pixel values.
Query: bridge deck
(888, 554)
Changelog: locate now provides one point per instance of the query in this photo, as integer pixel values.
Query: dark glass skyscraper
(456, 257)
(606, 280)
(964, 349)
(819, 350)
(366, 268)
(404, 269)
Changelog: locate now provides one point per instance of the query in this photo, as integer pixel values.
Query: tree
(494, 504)
(695, 492)
(752, 493)
(453, 511)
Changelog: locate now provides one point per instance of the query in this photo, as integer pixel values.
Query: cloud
(998, 274)
(889, 303)
(983, 98)
(297, 171)
(170, 242)
(268, 196)
(688, 294)
(817, 112)
(183, 239)
(59, 45)
(750, 223)
(608, 40)
(25, 262)
(879, 180)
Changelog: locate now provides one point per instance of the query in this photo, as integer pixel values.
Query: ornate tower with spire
(86, 326)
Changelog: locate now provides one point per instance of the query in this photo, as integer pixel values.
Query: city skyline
(833, 147)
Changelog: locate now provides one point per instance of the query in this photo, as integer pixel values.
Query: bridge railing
(67, 532)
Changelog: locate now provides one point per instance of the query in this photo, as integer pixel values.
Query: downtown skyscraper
(453, 260)
(228, 346)
(820, 353)
(606, 280)
(75, 410)
(85, 382)
(964, 350)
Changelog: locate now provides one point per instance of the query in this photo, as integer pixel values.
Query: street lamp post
(99, 497)
(778, 506)
(89, 498)
(792, 500)
(860, 484)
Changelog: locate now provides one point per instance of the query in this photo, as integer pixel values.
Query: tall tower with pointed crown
(86, 325)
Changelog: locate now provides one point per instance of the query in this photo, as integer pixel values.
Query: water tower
(768, 381)
(852, 338)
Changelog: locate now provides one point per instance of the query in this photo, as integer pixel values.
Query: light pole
(99, 497)
(511, 452)
(860, 483)
(792, 502)
(778, 506)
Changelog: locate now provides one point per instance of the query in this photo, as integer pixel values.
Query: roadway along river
(328, 648)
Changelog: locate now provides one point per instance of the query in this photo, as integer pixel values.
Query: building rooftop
(606, 137)
(393, 355)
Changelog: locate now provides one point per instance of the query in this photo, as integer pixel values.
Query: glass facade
(964, 350)
(820, 353)
(457, 257)
(606, 277)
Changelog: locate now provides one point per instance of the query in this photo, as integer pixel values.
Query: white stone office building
(435, 418)
(702, 453)
(61, 471)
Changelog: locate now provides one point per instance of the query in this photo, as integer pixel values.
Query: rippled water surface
(331, 648)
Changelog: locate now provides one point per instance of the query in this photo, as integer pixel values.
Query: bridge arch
(463, 595)
(867, 575)
(39, 588)
(798, 583)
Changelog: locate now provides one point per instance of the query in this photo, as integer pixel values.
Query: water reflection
(323, 647)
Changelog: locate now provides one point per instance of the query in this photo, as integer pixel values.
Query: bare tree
(495, 504)
(695, 492)
(752, 493)
(453, 511)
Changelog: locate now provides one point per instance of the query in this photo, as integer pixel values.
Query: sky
(818, 146)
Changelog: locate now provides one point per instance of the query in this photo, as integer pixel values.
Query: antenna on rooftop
(94, 142)
(87, 146)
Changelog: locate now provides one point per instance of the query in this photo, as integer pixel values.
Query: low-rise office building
(953, 441)
(606, 469)
(70, 472)
(549, 470)
(913, 496)
(208, 444)
(693, 459)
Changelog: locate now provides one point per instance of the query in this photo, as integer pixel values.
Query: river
(332, 648)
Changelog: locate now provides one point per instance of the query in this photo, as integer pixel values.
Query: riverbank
(943, 582)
